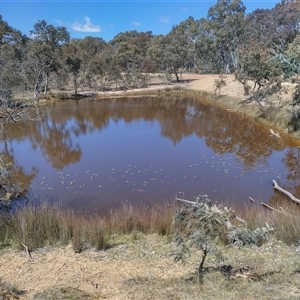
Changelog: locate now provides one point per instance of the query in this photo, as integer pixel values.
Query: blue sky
(106, 19)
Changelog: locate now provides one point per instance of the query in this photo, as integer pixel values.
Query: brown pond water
(91, 155)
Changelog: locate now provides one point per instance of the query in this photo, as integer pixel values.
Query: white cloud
(87, 27)
(135, 23)
(164, 20)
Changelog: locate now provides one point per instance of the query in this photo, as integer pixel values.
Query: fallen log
(278, 188)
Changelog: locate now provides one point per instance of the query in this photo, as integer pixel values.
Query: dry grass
(139, 218)
(137, 237)
(286, 223)
(9, 291)
(36, 227)
(62, 293)
(140, 266)
(271, 271)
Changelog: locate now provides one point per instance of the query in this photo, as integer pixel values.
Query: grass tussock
(39, 226)
(139, 218)
(285, 221)
(36, 227)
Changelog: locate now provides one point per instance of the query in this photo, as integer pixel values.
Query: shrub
(203, 226)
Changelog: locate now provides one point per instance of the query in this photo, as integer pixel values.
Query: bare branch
(277, 187)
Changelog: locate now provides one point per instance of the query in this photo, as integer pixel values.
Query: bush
(205, 226)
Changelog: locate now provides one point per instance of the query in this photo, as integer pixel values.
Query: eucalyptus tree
(43, 52)
(11, 81)
(8, 61)
(173, 52)
(189, 32)
(273, 28)
(177, 49)
(206, 50)
(291, 65)
(155, 52)
(269, 52)
(129, 54)
(72, 60)
(90, 51)
(226, 23)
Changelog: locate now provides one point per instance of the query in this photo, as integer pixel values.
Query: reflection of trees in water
(15, 181)
(53, 138)
(224, 132)
(292, 164)
(233, 133)
(56, 143)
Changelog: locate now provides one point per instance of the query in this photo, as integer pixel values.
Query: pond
(91, 155)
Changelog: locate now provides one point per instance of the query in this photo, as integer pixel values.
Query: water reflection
(93, 154)
(15, 181)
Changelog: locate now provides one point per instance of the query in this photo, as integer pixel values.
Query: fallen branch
(271, 208)
(274, 133)
(277, 187)
(251, 199)
(28, 252)
(186, 201)
(268, 206)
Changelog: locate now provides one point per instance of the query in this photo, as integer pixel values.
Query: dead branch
(227, 223)
(274, 133)
(28, 252)
(186, 201)
(267, 206)
(277, 187)
(270, 207)
(251, 199)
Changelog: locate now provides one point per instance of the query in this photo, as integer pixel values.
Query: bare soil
(102, 274)
(197, 82)
(142, 267)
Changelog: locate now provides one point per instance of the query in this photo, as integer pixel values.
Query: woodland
(262, 47)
